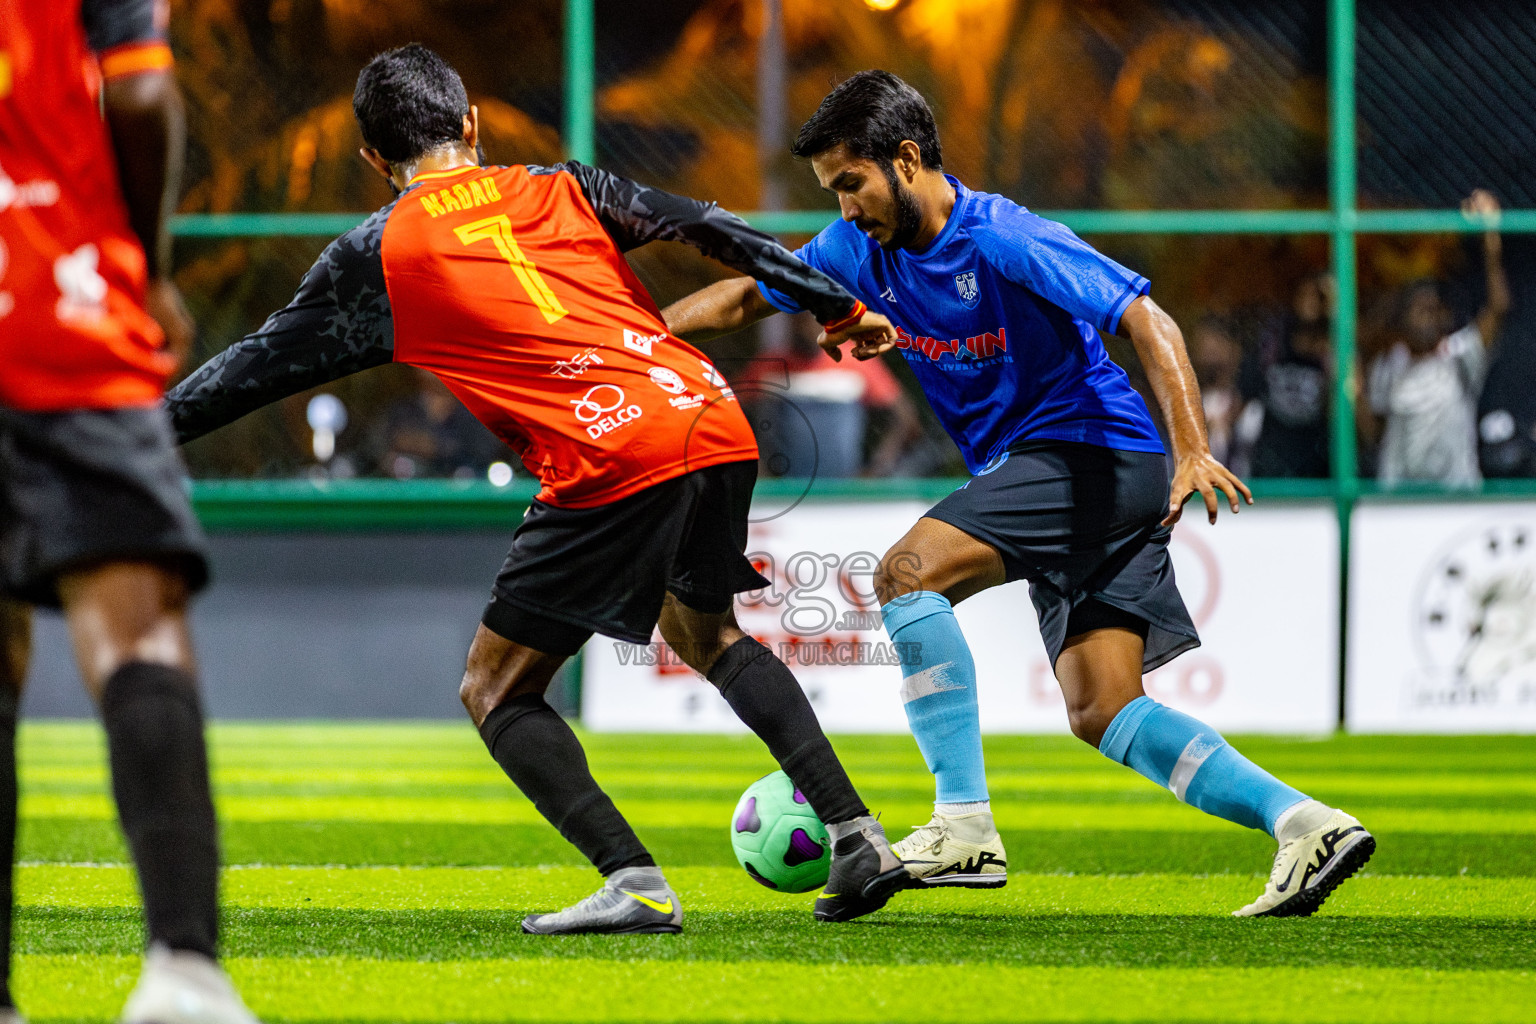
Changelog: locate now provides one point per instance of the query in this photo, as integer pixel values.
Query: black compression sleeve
(338, 323)
(543, 757)
(634, 214)
(766, 697)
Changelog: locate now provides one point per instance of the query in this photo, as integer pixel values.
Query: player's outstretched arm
(717, 309)
(736, 302)
(1160, 346)
(338, 323)
(634, 214)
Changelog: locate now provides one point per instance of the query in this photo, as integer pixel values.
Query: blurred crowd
(1268, 380)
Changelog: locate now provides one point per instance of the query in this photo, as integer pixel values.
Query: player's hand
(163, 301)
(1204, 474)
(871, 336)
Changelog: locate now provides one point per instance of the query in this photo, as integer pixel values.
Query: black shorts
(573, 572)
(1081, 524)
(84, 487)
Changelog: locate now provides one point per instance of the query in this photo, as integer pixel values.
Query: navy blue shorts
(1081, 524)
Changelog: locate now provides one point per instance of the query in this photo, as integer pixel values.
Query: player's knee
(491, 680)
(896, 575)
(699, 651)
(1090, 719)
(697, 638)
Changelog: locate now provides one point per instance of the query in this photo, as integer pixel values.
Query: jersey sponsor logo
(641, 343)
(577, 365)
(41, 192)
(604, 409)
(981, 346)
(712, 376)
(965, 284)
(82, 291)
(464, 196)
(668, 380)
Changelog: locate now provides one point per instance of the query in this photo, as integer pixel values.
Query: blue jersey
(999, 319)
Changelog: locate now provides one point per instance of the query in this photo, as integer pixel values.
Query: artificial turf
(378, 873)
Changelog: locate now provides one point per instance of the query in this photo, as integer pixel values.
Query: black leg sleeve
(765, 695)
(7, 833)
(544, 759)
(154, 729)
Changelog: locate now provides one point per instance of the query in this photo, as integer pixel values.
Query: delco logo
(641, 342)
(982, 346)
(594, 408)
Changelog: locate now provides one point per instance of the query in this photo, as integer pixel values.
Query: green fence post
(580, 141)
(580, 44)
(1341, 193)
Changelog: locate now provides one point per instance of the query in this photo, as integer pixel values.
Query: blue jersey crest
(965, 284)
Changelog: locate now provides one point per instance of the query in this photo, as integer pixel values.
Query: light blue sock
(1193, 761)
(939, 693)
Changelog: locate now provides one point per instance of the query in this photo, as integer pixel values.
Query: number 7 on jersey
(499, 230)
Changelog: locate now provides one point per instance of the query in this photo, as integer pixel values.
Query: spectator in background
(1288, 418)
(431, 434)
(812, 414)
(1426, 386)
(1217, 358)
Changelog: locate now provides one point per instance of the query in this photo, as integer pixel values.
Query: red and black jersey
(510, 284)
(73, 330)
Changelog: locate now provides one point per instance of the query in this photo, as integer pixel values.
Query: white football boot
(1320, 847)
(179, 987)
(11, 1015)
(961, 850)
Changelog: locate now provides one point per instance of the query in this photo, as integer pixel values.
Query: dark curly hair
(408, 102)
(873, 112)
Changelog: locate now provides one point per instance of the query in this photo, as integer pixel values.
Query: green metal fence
(1342, 222)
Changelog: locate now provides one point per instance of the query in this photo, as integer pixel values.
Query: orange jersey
(510, 284)
(505, 285)
(73, 329)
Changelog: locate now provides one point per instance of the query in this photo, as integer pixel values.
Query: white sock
(973, 807)
(1301, 818)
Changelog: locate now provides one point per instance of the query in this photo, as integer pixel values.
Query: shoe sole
(1307, 902)
(639, 929)
(992, 881)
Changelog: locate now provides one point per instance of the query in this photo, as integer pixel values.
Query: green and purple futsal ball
(778, 838)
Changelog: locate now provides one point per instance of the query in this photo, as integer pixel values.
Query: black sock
(543, 757)
(7, 832)
(160, 779)
(765, 695)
